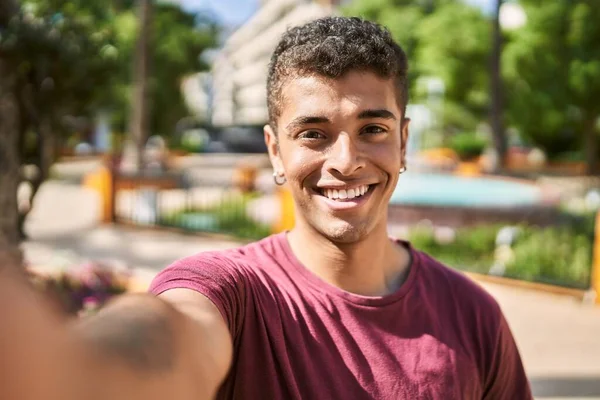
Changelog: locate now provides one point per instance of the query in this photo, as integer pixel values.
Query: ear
(404, 137)
(273, 147)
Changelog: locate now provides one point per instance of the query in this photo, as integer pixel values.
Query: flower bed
(84, 289)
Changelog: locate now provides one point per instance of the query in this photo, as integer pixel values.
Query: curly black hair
(332, 47)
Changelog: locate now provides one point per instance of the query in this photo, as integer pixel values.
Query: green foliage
(436, 45)
(559, 255)
(552, 255)
(467, 145)
(551, 65)
(178, 40)
(402, 18)
(552, 68)
(230, 216)
(78, 57)
(63, 56)
(472, 250)
(457, 53)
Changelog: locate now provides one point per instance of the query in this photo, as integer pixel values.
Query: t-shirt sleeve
(506, 376)
(212, 275)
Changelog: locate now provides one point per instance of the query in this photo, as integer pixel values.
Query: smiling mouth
(342, 195)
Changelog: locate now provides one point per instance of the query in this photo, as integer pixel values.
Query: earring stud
(279, 179)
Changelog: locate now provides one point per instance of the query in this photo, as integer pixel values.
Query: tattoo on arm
(141, 336)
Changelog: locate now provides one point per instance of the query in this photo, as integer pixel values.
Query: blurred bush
(467, 145)
(559, 255)
(472, 249)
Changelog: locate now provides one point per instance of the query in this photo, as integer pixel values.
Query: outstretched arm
(138, 347)
(175, 346)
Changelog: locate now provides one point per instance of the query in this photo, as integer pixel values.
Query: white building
(240, 69)
(196, 92)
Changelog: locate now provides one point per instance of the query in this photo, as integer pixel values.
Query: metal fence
(211, 202)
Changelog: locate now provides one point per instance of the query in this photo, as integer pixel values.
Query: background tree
(61, 57)
(497, 89)
(68, 61)
(458, 54)
(402, 18)
(553, 68)
(178, 39)
(9, 138)
(138, 128)
(444, 39)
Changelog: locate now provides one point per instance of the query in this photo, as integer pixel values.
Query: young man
(333, 309)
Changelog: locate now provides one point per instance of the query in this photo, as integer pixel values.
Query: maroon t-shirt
(440, 336)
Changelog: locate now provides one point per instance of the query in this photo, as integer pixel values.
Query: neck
(373, 266)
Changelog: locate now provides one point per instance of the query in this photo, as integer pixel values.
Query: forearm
(141, 347)
(137, 347)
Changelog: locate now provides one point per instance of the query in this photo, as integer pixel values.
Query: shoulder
(454, 288)
(471, 312)
(231, 267)
(225, 277)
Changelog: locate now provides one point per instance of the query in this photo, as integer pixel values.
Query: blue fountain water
(428, 189)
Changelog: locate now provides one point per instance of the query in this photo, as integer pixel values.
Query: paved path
(559, 338)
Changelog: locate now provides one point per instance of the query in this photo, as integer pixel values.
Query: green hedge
(557, 255)
(228, 216)
(472, 249)
(467, 145)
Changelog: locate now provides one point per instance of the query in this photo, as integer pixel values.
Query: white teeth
(343, 194)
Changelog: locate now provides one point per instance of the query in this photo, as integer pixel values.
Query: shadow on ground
(576, 387)
(151, 249)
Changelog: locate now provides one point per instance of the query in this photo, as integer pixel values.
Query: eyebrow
(366, 114)
(379, 113)
(305, 120)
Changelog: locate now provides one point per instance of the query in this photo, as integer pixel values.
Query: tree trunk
(591, 145)
(497, 106)
(8, 8)
(139, 122)
(9, 146)
(9, 161)
(45, 159)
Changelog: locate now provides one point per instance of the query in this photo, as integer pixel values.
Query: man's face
(341, 147)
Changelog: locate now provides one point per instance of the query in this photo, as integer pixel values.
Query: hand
(38, 356)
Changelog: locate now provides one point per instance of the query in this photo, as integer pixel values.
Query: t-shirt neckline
(327, 288)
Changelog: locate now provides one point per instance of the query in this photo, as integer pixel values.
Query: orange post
(468, 169)
(100, 181)
(596, 260)
(286, 219)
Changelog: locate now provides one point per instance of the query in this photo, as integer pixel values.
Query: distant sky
(232, 12)
(486, 5)
(235, 12)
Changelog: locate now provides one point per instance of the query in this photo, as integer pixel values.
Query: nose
(344, 157)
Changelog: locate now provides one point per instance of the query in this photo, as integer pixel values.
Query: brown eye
(312, 135)
(373, 130)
